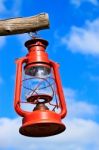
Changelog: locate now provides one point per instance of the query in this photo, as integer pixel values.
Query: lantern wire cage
(40, 90)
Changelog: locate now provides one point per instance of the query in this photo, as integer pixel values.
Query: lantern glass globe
(39, 71)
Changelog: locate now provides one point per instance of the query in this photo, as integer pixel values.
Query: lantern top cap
(35, 41)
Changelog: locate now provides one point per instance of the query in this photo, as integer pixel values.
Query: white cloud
(78, 108)
(77, 3)
(84, 40)
(16, 7)
(14, 10)
(2, 6)
(70, 93)
(80, 135)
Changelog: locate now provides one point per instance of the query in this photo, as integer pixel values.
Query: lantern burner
(42, 98)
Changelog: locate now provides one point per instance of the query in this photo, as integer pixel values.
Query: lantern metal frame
(32, 121)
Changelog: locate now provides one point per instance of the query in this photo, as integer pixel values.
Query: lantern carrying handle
(55, 67)
(17, 96)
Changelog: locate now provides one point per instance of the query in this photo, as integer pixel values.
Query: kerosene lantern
(44, 92)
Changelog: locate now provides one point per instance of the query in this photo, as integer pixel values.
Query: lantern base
(42, 124)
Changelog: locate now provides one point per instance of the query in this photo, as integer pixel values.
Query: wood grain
(24, 24)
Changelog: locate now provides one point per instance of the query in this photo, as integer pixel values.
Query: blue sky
(74, 43)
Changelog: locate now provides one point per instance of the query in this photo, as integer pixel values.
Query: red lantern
(44, 120)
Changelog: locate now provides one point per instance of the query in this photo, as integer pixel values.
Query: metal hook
(33, 35)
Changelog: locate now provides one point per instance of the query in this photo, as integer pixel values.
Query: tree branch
(24, 24)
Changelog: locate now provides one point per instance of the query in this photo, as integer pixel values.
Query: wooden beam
(24, 24)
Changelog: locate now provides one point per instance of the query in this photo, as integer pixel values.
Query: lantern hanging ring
(34, 35)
